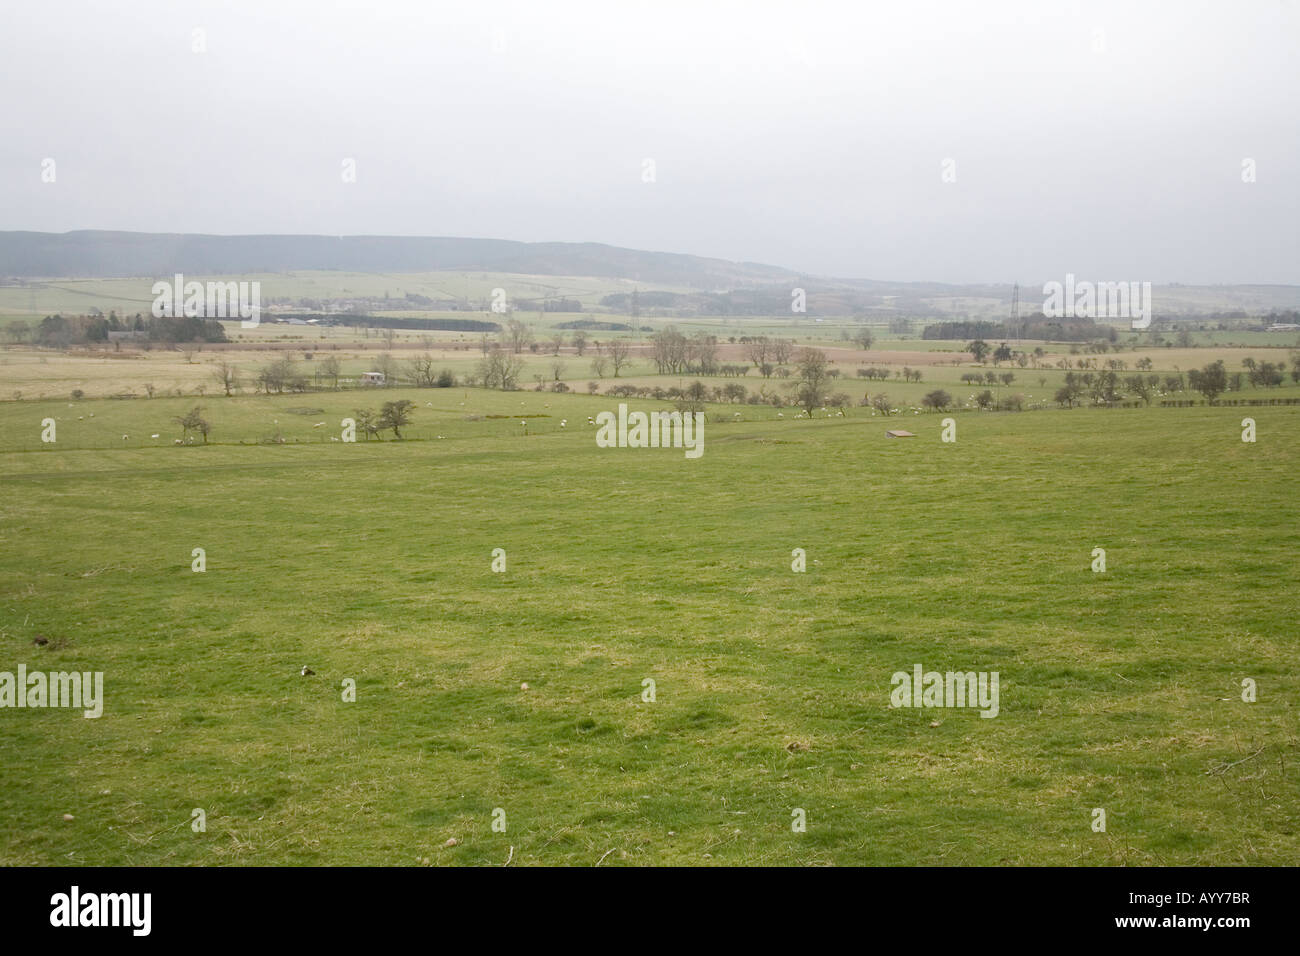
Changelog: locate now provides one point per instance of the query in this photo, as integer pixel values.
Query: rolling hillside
(95, 254)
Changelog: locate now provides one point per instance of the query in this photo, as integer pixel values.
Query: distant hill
(96, 254)
(671, 284)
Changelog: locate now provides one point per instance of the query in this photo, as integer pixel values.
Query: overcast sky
(1103, 139)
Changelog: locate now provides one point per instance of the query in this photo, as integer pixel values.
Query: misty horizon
(1029, 286)
(993, 145)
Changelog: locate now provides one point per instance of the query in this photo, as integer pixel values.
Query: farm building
(372, 378)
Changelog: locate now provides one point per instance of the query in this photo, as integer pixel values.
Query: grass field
(372, 562)
(37, 373)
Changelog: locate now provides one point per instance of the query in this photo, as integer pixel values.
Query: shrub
(937, 400)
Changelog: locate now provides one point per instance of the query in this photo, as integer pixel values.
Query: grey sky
(803, 134)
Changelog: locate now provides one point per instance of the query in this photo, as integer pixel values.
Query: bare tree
(619, 355)
(227, 376)
(276, 376)
(702, 353)
(422, 371)
(330, 368)
(517, 335)
(193, 420)
(500, 369)
(368, 422)
(669, 350)
(813, 372)
(782, 350)
(388, 365)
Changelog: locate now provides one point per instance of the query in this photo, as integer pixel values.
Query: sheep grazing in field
(564, 422)
(125, 437)
(176, 441)
(154, 436)
(319, 425)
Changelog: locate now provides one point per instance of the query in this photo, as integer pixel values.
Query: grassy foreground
(372, 562)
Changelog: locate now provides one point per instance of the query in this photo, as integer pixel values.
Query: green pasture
(372, 563)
